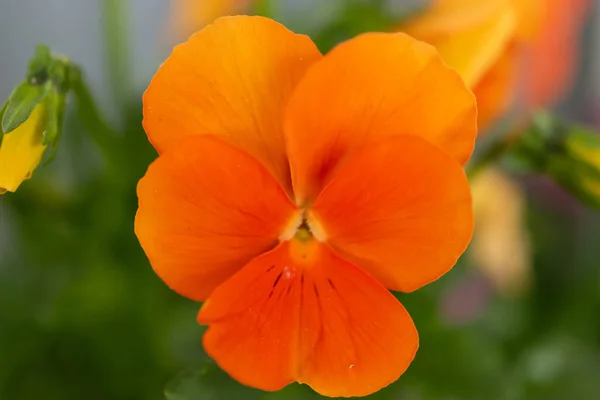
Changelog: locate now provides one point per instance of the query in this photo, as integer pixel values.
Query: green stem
(117, 50)
(105, 137)
(491, 154)
(264, 8)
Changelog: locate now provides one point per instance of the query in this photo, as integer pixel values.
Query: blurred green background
(82, 315)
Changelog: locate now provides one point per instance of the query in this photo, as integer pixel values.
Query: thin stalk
(118, 54)
(101, 133)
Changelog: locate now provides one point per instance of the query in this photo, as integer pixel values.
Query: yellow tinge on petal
(470, 35)
(22, 150)
(500, 248)
(530, 15)
(188, 16)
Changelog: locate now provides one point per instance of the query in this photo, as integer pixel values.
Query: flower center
(303, 233)
(303, 228)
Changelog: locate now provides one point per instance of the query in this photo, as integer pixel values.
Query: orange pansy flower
(506, 50)
(293, 188)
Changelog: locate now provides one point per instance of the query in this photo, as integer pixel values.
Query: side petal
(374, 86)
(301, 313)
(469, 35)
(206, 208)
(232, 79)
(400, 209)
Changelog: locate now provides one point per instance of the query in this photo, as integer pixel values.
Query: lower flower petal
(400, 209)
(206, 208)
(302, 313)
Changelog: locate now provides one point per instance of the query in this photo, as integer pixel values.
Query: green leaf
(21, 103)
(264, 8)
(208, 383)
(356, 17)
(2, 114)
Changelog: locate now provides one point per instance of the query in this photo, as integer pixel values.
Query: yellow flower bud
(22, 150)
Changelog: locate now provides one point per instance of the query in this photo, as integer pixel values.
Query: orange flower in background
(293, 189)
(508, 51)
(187, 16)
(550, 59)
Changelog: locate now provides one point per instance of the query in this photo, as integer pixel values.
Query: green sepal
(58, 71)
(37, 72)
(21, 103)
(1, 114)
(56, 102)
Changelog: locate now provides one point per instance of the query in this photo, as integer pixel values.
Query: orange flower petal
(232, 79)
(301, 313)
(495, 92)
(371, 87)
(400, 209)
(366, 340)
(442, 17)
(206, 208)
(469, 35)
(530, 15)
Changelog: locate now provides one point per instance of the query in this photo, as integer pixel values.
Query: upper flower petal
(530, 16)
(206, 208)
(469, 35)
(400, 209)
(22, 150)
(232, 79)
(448, 16)
(371, 87)
(302, 313)
(495, 92)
